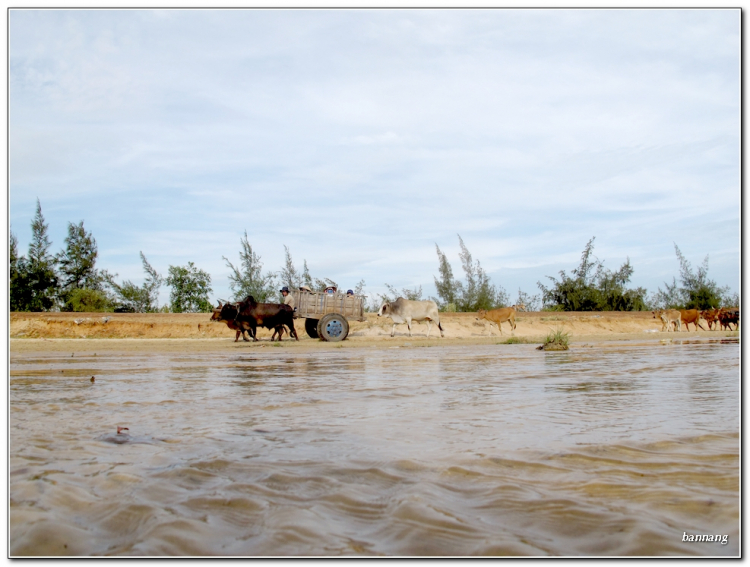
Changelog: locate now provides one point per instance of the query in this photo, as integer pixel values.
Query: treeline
(70, 281)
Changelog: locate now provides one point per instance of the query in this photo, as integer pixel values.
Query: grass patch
(556, 340)
(514, 341)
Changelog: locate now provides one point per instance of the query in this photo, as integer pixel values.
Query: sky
(362, 139)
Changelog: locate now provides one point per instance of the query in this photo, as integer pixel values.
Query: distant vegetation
(592, 287)
(71, 281)
(474, 293)
(696, 290)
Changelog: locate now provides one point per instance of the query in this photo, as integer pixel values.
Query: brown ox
(499, 316)
(711, 316)
(691, 316)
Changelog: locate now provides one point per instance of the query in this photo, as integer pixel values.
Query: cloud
(362, 138)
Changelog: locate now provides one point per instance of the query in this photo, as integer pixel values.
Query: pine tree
(476, 293)
(40, 275)
(18, 284)
(140, 299)
(78, 262)
(479, 292)
(306, 277)
(448, 289)
(248, 279)
(289, 275)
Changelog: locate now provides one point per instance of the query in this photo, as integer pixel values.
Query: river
(617, 449)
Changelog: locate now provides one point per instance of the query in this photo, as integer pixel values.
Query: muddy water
(455, 451)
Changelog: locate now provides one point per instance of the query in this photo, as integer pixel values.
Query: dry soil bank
(195, 332)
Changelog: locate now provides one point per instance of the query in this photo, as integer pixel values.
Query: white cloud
(526, 131)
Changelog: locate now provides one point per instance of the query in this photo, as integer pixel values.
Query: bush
(88, 300)
(592, 287)
(696, 292)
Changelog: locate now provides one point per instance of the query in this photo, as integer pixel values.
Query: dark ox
(250, 315)
(727, 316)
(231, 323)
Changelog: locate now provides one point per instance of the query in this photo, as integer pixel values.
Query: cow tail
(440, 326)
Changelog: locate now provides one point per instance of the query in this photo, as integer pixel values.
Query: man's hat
(349, 291)
(286, 289)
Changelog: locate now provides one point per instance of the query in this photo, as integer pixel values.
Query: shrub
(556, 340)
(592, 287)
(88, 300)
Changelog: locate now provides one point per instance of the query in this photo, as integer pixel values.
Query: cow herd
(674, 319)
(247, 315)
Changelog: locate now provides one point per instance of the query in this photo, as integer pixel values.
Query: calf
(499, 316)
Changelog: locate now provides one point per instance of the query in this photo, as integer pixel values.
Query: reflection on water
(476, 450)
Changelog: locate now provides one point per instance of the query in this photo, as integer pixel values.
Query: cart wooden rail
(326, 314)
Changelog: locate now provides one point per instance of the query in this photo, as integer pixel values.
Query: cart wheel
(333, 327)
(311, 328)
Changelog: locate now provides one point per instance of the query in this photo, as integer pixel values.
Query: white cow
(406, 310)
(669, 317)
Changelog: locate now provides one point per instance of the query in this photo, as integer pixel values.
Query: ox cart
(326, 313)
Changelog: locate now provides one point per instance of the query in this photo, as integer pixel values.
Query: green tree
(448, 289)
(17, 269)
(696, 291)
(190, 289)
(530, 302)
(592, 287)
(359, 289)
(78, 262)
(393, 294)
(35, 284)
(140, 299)
(476, 292)
(77, 267)
(291, 278)
(289, 275)
(248, 278)
(306, 277)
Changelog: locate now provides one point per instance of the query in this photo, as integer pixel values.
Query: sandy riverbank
(168, 331)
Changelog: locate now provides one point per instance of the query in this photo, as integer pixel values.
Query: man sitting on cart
(288, 298)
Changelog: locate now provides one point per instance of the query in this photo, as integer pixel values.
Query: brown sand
(84, 332)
